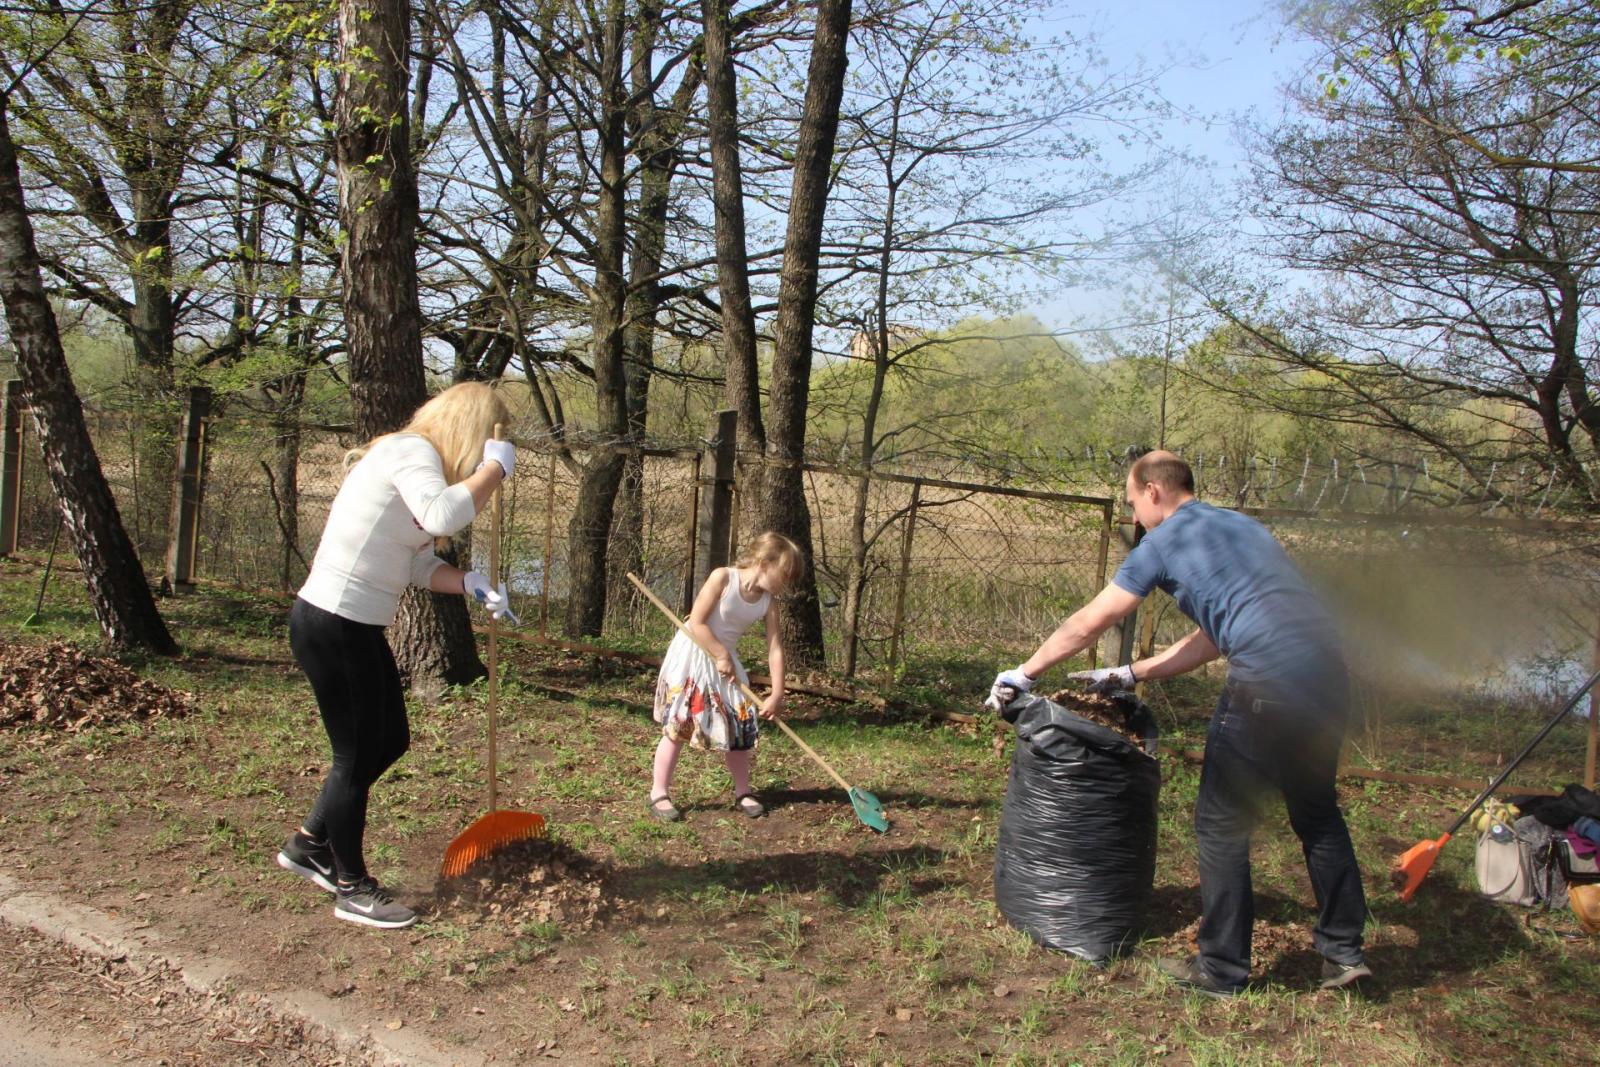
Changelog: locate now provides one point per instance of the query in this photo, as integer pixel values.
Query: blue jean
(1263, 742)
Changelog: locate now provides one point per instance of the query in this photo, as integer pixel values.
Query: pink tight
(667, 753)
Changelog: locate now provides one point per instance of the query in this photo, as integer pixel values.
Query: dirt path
(26, 1041)
(62, 1009)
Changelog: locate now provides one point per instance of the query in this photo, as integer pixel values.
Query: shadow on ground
(850, 877)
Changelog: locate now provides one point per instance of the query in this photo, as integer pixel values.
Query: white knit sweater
(380, 530)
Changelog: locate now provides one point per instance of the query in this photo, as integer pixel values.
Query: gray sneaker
(1190, 975)
(370, 904)
(1339, 975)
(309, 859)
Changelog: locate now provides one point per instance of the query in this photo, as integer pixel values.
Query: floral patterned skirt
(696, 704)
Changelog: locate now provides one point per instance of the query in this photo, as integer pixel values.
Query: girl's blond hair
(456, 423)
(776, 550)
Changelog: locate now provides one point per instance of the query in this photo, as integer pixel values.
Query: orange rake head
(490, 832)
(1410, 869)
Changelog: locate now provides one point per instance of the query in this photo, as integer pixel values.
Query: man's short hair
(1170, 472)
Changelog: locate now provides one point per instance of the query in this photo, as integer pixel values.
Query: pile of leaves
(61, 686)
(531, 881)
(1098, 709)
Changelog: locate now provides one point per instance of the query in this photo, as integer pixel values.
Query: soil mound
(61, 686)
(531, 881)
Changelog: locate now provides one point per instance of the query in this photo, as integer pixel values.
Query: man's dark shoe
(311, 860)
(368, 903)
(1189, 974)
(1340, 975)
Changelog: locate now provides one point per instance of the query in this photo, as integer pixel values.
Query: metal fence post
(188, 487)
(1594, 728)
(905, 570)
(11, 469)
(716, 519)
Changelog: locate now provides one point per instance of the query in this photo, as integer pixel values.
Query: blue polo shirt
(1229, 574)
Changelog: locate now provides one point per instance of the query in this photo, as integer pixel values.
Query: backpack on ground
(1520, 864)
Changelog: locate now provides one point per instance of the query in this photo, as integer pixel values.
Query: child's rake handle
(680, 624)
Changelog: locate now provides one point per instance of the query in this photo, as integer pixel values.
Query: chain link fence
(928, 578)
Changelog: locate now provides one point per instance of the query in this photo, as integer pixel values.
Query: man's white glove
(1106, 679)
(494, 601)
(1013, 679)
(501, 452)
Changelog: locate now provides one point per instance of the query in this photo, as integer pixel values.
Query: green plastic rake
(869, 809)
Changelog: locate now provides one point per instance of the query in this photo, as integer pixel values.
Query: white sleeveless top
(734, 614)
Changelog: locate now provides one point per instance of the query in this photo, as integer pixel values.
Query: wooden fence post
(905, 571)
(549, 546)
(689, 589)
(1108, 521)
(1125, 634)
(716, 507)
(11, 469)
(188, 488)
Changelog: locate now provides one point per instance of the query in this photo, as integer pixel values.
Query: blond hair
(777, 551)
(456, 423)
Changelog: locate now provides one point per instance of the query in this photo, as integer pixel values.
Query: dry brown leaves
(1100, 710)
(530, 881)
(61, 686)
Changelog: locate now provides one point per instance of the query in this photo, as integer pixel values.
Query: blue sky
(1227, 61)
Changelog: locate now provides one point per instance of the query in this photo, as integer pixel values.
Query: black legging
(358, 691)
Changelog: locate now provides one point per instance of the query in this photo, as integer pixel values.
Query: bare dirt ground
(798, 938)
(64, 1009)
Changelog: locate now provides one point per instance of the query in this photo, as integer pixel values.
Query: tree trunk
(657, 135)
(587, 534)
(432, 637)
(118, 590)
(591, 521)
(378, 209)
(287, 442)
(743, 383)
(783, 503)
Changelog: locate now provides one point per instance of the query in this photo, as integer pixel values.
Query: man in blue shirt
(1278, 725)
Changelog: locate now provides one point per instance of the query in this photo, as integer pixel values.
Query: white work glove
(501, 452)
(1106, 679)
(1013, 679)
(494, 601)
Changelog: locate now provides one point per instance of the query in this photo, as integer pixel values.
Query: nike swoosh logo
(366, 910)
(320, 869)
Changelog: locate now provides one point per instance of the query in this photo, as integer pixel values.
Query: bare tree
(118, 591)
(590, 525)
(742, 385)
(932, 221)
(383, 318)
(782, 506)
(116, 121)
(1452, 279)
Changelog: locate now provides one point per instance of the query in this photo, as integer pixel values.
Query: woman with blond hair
(700, 691)
(402, 490)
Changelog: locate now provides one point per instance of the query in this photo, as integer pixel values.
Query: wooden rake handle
(680, 624)
(494, 640)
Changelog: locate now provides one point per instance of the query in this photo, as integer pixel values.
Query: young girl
(697, 696)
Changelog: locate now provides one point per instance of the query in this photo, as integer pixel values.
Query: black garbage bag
(1076, 859)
